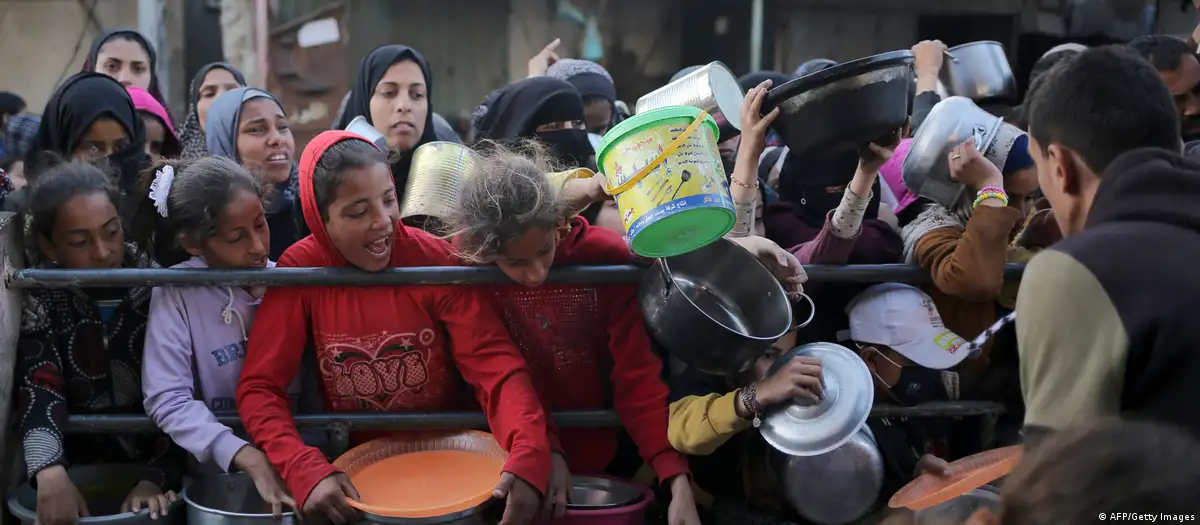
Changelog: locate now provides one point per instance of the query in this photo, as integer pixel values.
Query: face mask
(571, 146)
(916, 385)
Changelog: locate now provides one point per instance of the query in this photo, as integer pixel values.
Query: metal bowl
(105, 488)
(591, 493)
(926, 170)
(715, 308)
(960, 509)
(950, 123)
(801, 427)
(839, 486)
(229, 499)
(434, 184)
(712, 88)
(979, 71)
(844, 106)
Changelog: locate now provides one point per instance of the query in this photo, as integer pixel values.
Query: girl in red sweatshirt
(381, 349)
(585, 344)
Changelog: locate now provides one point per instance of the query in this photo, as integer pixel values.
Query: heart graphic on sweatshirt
(378, 372)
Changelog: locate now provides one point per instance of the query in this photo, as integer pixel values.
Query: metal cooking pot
(844, 106)
(712, 88)
(979, 71)
(229, 499)
(959, 509)
(715, 308)
(485, 514)
(105, 488)
(837, 487)
(926, 170)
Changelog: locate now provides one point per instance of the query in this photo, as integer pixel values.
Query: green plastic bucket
(681, 203)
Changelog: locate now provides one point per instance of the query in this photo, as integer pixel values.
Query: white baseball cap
(905, 319)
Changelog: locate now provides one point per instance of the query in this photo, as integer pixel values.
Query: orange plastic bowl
(424, 475)
(965, 475)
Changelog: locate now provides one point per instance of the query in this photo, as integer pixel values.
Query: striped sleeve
(1072, 344)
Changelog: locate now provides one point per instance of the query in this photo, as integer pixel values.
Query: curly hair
(506, 194)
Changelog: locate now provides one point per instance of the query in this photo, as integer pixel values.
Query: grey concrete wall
(44, 41)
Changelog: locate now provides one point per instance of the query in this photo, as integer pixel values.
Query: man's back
(1106, 323)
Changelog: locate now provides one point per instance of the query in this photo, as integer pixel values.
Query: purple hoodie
(195, 343)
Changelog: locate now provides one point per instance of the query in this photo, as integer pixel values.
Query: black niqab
(516, 110)
(89, 64)
(80, 101)
(814, 183)
(370, 72)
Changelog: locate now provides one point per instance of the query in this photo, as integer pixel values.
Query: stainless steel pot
(978, 71)
(485, 514)
(959, 509)
(712, 88)
(837, 487)
(952, 121)
(715, 308)
(104, 487)
(229, 499)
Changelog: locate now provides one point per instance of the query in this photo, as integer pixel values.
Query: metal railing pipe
(447, 275)
(125, 423)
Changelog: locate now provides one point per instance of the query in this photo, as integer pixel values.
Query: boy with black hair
(1177, 66)
(1102, 326)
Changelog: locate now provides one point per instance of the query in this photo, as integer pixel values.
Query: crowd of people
(1091, 185)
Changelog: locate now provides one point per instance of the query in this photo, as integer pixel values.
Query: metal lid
(801, 428)
(591, 493)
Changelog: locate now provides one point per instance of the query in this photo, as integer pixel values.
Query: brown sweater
(967, 267)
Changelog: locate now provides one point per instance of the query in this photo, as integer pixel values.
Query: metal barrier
(120, 423)
(440, 275)
(339, 425)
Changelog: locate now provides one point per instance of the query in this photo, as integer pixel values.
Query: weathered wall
(45, 41)
(848, 29)
(641, 39)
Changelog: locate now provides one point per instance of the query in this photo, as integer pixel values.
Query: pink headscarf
(893, 175)
(144, 101)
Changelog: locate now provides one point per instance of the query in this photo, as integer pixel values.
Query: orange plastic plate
(965, 475)
(424, 476)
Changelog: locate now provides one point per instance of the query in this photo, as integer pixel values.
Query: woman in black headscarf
(91, 118)
(210, 82)
(127, 56)
(392, 92)
(543, 108)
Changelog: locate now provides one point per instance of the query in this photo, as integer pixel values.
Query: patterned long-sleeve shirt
(72, 358)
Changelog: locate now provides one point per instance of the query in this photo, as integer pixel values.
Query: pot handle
(812, 312)
(950, 55)
(668, 282)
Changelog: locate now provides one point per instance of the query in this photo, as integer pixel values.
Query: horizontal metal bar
(122, 423)
(42, 278)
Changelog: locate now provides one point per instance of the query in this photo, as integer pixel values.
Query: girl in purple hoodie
(206, 213)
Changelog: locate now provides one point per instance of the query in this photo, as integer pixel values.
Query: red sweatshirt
(383, 349)
(587, 349)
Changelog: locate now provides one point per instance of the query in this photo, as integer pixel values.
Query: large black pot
(715, 308)
(844, 106)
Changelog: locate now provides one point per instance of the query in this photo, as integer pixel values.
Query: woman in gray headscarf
(250, 126)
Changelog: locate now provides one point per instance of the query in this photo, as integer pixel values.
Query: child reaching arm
(585, 345)
(204, 214)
